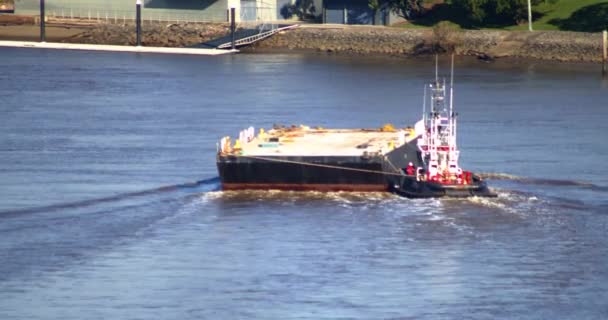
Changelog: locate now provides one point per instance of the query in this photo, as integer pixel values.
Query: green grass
(554, 13)
(571, 15)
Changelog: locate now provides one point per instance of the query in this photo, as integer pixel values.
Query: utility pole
(233, 27)
(605, 56)
(138, 22)
(530, 15)
(42, 25)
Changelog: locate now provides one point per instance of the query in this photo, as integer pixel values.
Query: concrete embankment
(487, 44)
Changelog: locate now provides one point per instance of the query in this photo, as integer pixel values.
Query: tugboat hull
(411, 188)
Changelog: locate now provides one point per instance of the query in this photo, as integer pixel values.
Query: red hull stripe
(305, 187)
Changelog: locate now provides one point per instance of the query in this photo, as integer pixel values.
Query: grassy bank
(565, 15)
(571, 15)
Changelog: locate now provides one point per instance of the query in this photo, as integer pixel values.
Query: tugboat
(438, 173)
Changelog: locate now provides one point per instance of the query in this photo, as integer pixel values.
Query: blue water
(110, 205)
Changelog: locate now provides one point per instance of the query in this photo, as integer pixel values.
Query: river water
(110, 207)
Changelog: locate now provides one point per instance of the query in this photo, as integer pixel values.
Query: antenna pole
(452, 118)
(436, 68)
(424, 106)
(452, 87)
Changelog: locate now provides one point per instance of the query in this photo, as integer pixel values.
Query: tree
(303, 9)
(407, 9)
(375, 5)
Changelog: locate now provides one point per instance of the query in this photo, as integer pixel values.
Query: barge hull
(306, 187)
(302, 173)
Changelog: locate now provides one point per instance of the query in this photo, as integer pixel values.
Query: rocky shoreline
(485, 44)
(365, 40)
(153, 34)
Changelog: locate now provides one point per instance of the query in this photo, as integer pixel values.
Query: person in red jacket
(410, 170)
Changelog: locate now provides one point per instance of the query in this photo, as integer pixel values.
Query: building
(329, 11)
(357, 12)
(162, 10)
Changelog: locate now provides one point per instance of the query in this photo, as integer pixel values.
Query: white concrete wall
(236, 4)
(267, 10)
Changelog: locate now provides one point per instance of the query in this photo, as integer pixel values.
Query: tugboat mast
(438, 143)
(453, 150)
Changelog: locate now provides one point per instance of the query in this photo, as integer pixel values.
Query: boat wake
(205, 185)
(525, 203)
(278, 195)
(544, 181)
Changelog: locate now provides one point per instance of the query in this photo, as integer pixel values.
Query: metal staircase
(245, 37)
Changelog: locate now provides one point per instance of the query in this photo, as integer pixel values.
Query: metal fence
(124, 10)
(260, 11)
(117, 16)
(262, 15)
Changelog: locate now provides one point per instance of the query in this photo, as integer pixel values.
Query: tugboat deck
(307, 142)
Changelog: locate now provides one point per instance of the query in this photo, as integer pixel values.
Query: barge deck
(305, 141)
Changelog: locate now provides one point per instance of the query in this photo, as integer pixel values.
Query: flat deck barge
(304, 158)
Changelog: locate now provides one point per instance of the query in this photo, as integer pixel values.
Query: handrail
(256, 37)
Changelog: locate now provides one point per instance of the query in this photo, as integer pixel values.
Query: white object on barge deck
(112, 48)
